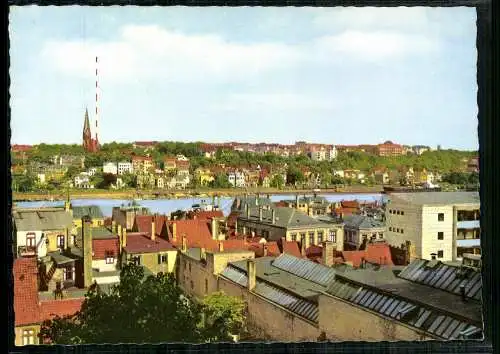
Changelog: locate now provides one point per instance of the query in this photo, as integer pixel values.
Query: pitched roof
(284, 217)
(375, 253)
(40, 219)
(291, 248)
(206, 215)
(197, 232)
(66, 307)
(362, 222)
(26, 310)
(143, 223)
(138, 242)
(436, 198)
(93, 211)
(272, 249)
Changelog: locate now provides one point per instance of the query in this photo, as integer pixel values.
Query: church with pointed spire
(90, 144)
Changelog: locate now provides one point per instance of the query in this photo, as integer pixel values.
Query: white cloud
(373, 46)
(145, 52)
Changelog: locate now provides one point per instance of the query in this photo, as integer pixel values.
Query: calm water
(166, 206)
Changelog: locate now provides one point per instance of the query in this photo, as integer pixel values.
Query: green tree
(224, 316)
(220, 181)
(23, 182)
(129, 180)
(294, 175)
(137, 310)
(474, 178)
(277, 181)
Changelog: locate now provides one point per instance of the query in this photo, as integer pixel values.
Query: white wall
(103, 267)
(430, 228)
(410, 222)
(110, 167)
(21, 241)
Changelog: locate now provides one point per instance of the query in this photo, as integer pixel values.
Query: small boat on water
(204, 206)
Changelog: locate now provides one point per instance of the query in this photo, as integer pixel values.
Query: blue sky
(327, 75)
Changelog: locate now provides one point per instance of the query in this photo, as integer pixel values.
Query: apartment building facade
(441, 225)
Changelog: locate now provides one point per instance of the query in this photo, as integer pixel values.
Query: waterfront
(166, 206)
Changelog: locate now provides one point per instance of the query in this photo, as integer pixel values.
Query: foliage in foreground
(146, 310)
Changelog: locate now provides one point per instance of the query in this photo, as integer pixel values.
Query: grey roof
(40, 219)
(305, 269)
(442, 314)
(252, 201)
(285, 217)
(362, 222)
(98, 233)
(93, 211)
(436, 198)
(60, 258)
(445, 277)
(287, 290)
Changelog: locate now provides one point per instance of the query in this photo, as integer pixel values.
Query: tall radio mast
(97, 96)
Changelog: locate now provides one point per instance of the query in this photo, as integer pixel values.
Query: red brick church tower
(89, 144)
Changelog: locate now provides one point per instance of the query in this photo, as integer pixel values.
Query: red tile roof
(138, 242)
(25, 272)
(206, 215)
(291, 248)
(66, 307)
(272, 249)
(143, 223)
(101, 246)
(197, 232)
(19, 148)
(314, 251)
(376, 253)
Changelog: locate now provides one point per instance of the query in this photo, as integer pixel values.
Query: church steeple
(86, 124)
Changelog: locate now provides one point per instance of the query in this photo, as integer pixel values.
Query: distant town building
(388, 148)
(125, 167)
(90, 144)
(110, 168)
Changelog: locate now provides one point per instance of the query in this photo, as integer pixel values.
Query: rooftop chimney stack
(119, 232)
(273, 214)
(124, 237)
(244, 231)
(184, 244)
(153, 229)
(203, 254)
(251, 274)
(462, 292)
(174, 232)
(248, 212)
(303, 247)
(113, 226)
(221, 246)
(236, 227)
(87, 250)
(260, 213)
(327, 253)
(215, 229)
(265, 249)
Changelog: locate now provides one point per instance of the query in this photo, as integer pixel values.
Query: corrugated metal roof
(306, 269)
(93, 211)
(297, 305)
(445, 277)
(235, 275)
(427, 319)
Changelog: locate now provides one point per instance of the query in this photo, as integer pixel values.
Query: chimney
(174, 232)
(283, 241)
(113, 226)
(296, 201)
(236, 226)
(238, 203)
(244, 231)
(215, 229)
(462, 292)
(203, 254)
(251, 274)
(248, 212)
(124, 237)
(221, 246)
(120, 234)
(327, 253)
(153, 229)
(265, 249)
(273, 215)
(260, 213)
(184, 244)
(303, 247)
(87, 250)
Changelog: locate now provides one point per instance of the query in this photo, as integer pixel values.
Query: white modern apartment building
(110, 167)
(125, 167)
(440, 225)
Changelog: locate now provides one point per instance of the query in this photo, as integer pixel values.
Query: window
(311, 238)
(293, 237)
(390, 211)
(397, 229)
(402, 213)
(30, 239)
(441, 217)
(390, 228)
(303, 237)
(28, 336)
(206, 286)
(320, 237)
(68, 273)
(380, 235)
(440, 235)
(332, 236)
(398, 212)
(162, 259)
(137, 260)
(110, 257)
(73, 239)
(60, 241)
(192, 284)
(402, 231)
(440, 254)
(189, 267)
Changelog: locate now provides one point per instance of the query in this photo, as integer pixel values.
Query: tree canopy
(146, 310)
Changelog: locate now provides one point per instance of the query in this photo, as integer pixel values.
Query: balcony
(468, 224)
(24, 251)
(474, 242)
